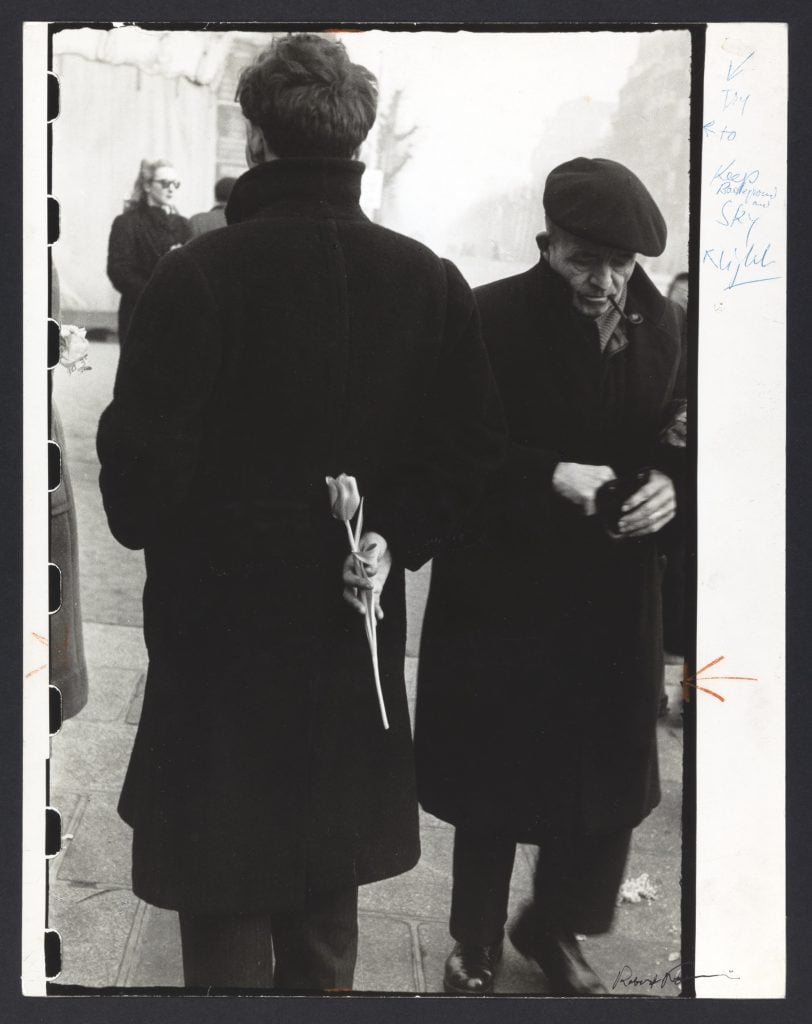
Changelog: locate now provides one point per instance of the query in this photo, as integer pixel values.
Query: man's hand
(649, 509)
(377, 563)
(579, 483)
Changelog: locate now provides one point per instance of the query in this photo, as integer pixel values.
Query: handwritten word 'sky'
(735, 214)
(689, 682)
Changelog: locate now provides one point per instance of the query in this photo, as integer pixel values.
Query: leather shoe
(470, 970)
(558, 955)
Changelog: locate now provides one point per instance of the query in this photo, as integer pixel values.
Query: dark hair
(222, 190)
(308, 98)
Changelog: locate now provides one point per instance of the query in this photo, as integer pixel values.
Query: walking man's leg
(575, 890)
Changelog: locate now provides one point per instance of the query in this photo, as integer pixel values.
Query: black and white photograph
(375, 516)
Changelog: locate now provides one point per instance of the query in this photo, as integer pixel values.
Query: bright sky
(481, 101)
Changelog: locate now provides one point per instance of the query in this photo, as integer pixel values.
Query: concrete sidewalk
(110, 938)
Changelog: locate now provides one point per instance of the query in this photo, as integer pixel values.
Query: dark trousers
(675, 626)
(575, 884)
(313, 948)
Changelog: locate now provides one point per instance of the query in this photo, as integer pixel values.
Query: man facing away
(214, 218)
(541, 653)
(299, 342)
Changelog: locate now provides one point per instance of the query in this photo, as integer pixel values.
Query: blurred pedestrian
(214, 218)
(678, 290)
(68, 669)
(675, 577)
(541, 656)
(302, 341)
(148, 229)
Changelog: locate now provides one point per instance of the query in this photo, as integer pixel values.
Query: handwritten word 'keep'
(728, 179)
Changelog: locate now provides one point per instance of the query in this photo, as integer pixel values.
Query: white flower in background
(635, 890)
(73, 348)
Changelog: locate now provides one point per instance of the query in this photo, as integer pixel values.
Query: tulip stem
(344, 487)
(370, 624)
(373, 648)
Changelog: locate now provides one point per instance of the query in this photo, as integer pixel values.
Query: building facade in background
(646, 128)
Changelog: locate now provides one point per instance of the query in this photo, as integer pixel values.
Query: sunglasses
(165, 182)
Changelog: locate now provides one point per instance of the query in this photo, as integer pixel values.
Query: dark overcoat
(139, 237)
(300, 341)
(541, 655)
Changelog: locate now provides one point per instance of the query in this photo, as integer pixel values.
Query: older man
(300, 342)
(542, 655)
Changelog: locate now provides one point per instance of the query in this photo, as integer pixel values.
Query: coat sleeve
(670, 454)
(522, 488)
(149, 437)
(670, 450)
(460, 439)
(125, 273)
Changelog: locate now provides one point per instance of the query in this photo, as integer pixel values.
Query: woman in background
(149, 227)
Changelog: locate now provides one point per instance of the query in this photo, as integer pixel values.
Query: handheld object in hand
(611, 496)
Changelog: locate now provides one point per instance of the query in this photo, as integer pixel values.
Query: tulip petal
(344, 497)
(332, 488)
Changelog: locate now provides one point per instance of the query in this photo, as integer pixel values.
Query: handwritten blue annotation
(742, 255)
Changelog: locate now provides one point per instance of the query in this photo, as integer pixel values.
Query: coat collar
(328, 187)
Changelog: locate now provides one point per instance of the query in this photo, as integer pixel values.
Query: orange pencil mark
(710, 664)
(42, 639)
(34, 671)
(704, 689)
(752, 679)
(689, 681)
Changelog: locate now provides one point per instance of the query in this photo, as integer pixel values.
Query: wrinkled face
(593, 272)
(161, 190)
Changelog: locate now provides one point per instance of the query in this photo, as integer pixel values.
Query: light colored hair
(146, 175)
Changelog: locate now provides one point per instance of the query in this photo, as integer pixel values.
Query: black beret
(604, 202)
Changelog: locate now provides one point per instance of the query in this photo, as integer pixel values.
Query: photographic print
(394, 640)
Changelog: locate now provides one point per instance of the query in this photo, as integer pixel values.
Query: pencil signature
(627, 978)
(690, 681)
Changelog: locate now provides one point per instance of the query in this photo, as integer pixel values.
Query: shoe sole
(452, 991)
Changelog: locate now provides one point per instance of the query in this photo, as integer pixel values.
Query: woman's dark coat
(541, 655)
(300, 341)
(139, 237)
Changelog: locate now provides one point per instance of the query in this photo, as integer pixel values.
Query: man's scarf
(607, 323)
